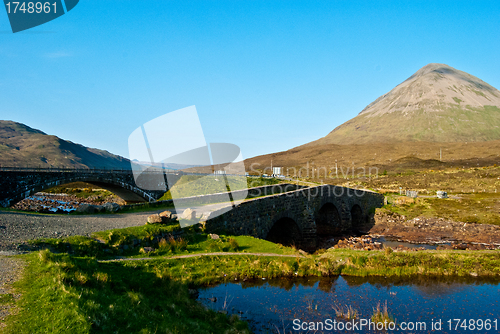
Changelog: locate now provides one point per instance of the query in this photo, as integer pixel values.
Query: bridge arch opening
(357, 217)
(328, 220)
(285, 231)
(127, 195)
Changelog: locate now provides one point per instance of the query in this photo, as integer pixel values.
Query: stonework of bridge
(298, 217)
(17, 184)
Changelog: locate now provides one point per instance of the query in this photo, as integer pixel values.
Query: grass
(65, 294)
(469, 208)
(428, 181)
(348, 313)
(84, 190)
(204, 270)
(474, 193)
(194, 185)
(72, 292)
(202, 243)
(381, 314)
(407, 264)
(106, 244)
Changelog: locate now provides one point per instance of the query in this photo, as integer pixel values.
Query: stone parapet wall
(256, 217)
(224, 197)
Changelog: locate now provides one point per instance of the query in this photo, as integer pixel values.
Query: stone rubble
(459, 235)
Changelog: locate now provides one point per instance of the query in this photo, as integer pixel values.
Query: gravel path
(10, 271)
(16, 228)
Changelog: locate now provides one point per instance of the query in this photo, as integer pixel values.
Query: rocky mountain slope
(436, 104)
(22, 146)
(439, 116)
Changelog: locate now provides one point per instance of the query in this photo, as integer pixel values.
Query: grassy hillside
(22, 146)
(474, 193)
(193, 185)
(454, 123)
(372, 157)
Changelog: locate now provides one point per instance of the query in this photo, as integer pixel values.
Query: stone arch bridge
(17, 184)
(300, 216)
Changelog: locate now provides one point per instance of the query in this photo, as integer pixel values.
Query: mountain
(22, 146)
(438, 117)
(436, 104)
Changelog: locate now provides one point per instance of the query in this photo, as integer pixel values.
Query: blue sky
(264, 75)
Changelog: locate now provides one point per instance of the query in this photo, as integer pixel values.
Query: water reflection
(270, 305)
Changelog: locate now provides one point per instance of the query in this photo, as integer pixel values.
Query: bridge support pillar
(309, 235)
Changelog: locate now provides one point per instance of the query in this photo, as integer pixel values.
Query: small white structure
(442, 194)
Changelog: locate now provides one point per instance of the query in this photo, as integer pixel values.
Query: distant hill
(436, 104)
(22, 146)
(439, 116)
(397, 156)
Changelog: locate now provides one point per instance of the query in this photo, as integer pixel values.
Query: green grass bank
(77, 285)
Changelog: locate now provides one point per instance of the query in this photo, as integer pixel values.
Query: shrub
(388, 251)
(215, 246)
(471, 219)
(173, 244)
(233, 244)
(164, 245)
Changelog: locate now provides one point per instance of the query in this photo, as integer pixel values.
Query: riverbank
(70, 289)
(432, 230)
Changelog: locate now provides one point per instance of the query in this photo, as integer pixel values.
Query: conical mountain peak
(437, 103)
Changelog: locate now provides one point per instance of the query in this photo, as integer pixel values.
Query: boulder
(112, 207)
(147, 250)
(205, 216)
(214, 236)
(442, 194)
(86, 208)
(188, 214)
(154, 219)
(100, 208)
(166, 216)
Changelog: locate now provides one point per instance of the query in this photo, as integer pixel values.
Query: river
(301, 305)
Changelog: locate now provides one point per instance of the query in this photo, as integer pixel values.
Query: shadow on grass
(64, 293)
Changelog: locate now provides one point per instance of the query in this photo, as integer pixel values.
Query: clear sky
(264, 75)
